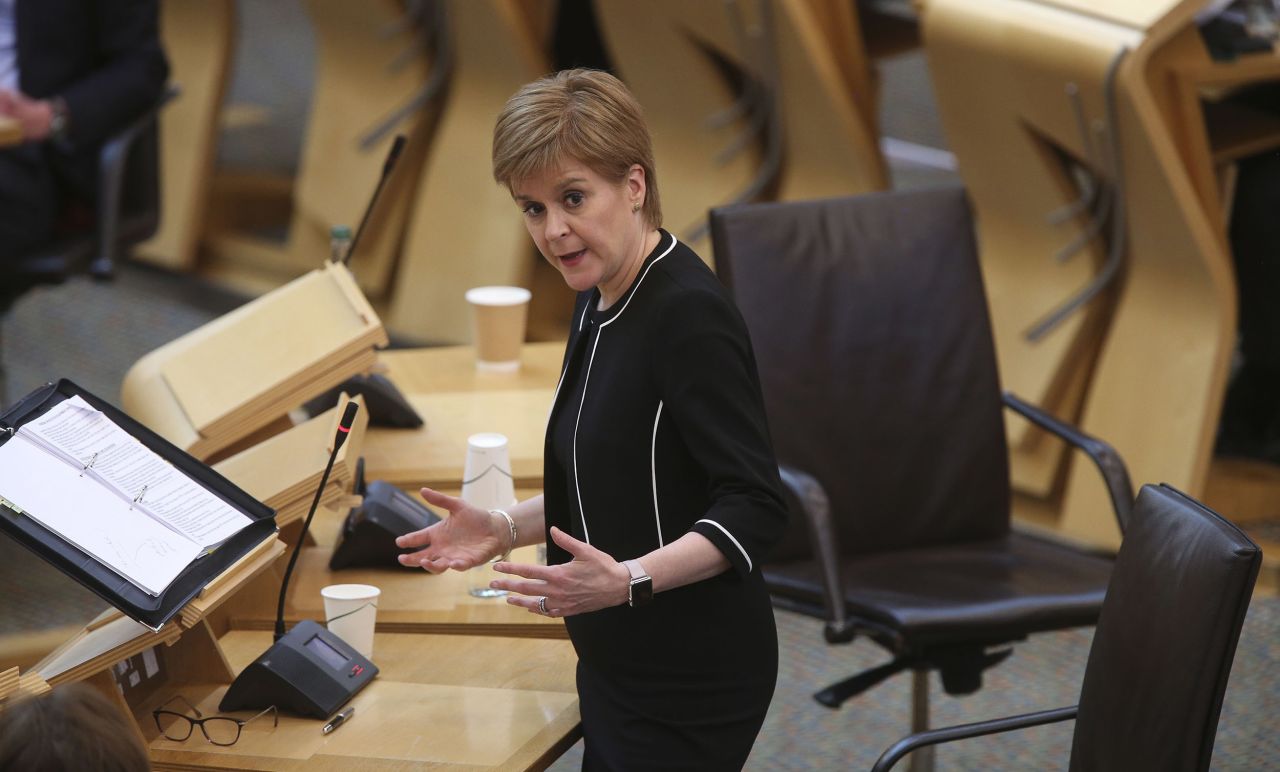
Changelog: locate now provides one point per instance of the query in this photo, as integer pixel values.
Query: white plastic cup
(350, 611)
(499, 316)
(487, 484)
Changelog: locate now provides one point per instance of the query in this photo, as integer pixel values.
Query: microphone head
(344, 426)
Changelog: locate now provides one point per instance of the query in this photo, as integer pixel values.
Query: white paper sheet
(86, 437)
(80, 475)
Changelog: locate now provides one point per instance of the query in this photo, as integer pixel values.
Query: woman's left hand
(591, 581)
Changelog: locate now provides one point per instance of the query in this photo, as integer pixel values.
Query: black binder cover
(82, 567)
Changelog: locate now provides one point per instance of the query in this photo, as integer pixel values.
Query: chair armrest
(112, 158)
(951, 733)
(822, 538)
(1108, 461)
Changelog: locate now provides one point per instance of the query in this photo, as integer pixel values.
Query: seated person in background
(72, 73)
(72, 727)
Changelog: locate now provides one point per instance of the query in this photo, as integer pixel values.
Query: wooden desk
(10, 131)
(449, 702)
(412, 601)
(456, 401)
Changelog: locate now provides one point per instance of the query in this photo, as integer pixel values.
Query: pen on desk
(338, 720)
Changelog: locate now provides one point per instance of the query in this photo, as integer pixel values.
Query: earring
(635, 207)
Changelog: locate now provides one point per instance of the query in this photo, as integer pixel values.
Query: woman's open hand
(591, 581)
(468, 537)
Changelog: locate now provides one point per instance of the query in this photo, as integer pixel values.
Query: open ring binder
(82, 566)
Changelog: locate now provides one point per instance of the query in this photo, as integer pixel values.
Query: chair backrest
(875, 352)
(1166, 638)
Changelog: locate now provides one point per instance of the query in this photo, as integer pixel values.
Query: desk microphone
(344, 429)
(308, 671)
(393, 155)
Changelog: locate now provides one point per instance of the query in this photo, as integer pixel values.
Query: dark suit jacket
(103, 57)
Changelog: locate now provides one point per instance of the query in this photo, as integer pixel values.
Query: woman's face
(585, 225)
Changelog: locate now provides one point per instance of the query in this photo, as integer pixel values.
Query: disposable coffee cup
(498, 317)
(350, 611)
(487, 484)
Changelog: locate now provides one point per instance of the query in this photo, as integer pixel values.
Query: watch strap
(640, 588)
(637, 571)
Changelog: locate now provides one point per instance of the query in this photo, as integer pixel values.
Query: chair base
(960, 670)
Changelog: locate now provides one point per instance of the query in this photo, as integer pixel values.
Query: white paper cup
(487, 484)
(498, 317)
(350, 611)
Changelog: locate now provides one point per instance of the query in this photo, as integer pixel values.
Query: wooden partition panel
(1144, 366)
(368, 65)
(673, 56)
(464, 230)
(198, 38)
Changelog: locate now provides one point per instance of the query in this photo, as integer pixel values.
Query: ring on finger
(542, 605)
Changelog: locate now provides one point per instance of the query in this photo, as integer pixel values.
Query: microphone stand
(344, 428)
(393, 155)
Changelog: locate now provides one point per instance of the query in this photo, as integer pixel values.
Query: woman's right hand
(468, 537)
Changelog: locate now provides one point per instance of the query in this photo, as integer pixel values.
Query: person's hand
(35, 116)
(468, 537)
(591, 581)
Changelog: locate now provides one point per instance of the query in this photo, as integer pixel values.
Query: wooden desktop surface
(412, 601)
(455, 401)
(443, 702)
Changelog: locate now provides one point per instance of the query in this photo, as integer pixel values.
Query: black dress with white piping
(658, 429)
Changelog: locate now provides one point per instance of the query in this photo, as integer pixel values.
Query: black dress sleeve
(707, 377)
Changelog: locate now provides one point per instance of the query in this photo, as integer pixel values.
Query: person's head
(72, 727)
(575, 153)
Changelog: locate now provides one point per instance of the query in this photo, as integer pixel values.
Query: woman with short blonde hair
(661, 492)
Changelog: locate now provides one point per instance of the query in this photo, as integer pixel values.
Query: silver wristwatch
(640, 592)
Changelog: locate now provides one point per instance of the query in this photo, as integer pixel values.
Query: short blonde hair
(585, 115)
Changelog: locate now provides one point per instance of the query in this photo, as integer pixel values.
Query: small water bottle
(339, 243)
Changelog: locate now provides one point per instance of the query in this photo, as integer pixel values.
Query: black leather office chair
(1163, 649)
(127, 212)
(875, 351)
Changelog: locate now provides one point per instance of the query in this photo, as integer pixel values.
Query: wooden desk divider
(248, 368)
(283, 471)
(1021, 86)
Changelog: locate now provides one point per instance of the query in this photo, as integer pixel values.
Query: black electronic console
(382, 400)
(368, 537)
(310, 671)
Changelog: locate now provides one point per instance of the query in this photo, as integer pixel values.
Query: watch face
(641, 591)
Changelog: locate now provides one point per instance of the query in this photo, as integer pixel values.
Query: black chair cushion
(1182, 583)
(978, 592)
